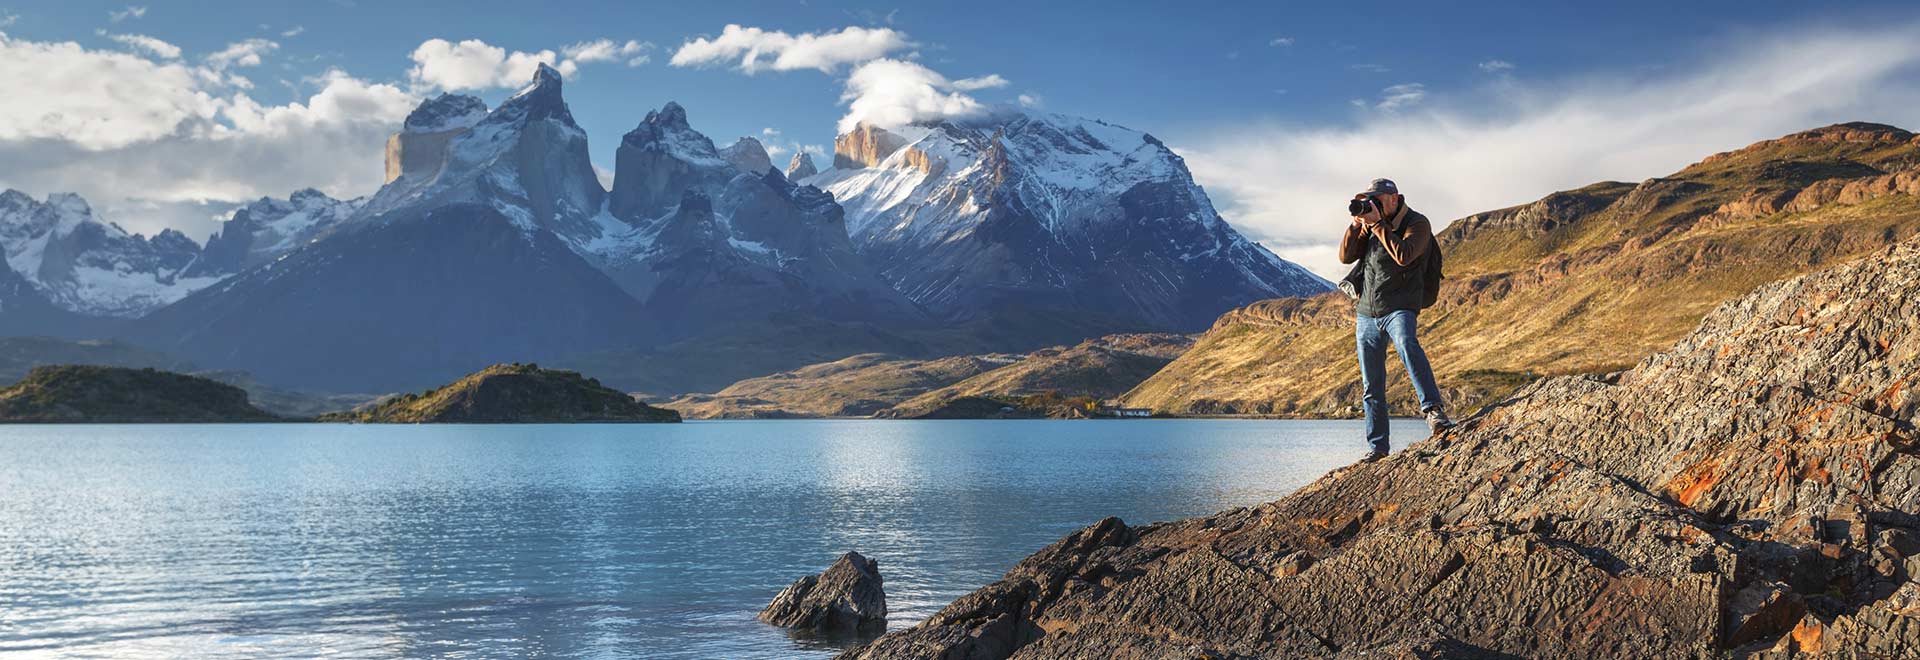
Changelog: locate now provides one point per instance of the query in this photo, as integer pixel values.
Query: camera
(1360, 207)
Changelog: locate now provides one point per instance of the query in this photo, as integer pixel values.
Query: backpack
(1431, 278)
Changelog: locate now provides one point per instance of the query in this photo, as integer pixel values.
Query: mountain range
(493, 240)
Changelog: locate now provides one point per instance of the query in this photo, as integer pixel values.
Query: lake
(577, 541)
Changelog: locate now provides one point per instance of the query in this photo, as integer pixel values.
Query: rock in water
(846, 598)
(1750, 492)
(86, 394)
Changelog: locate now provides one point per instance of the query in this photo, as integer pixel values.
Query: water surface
(594, 541)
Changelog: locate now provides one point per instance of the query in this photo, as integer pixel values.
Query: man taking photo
(1394, 248)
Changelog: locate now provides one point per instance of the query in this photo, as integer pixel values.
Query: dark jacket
(1392, 263)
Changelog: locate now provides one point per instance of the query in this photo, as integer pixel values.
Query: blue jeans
(1371, 334)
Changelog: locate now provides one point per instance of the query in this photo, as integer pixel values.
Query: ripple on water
(565, 541)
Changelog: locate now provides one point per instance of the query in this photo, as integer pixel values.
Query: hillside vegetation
(1581, 281)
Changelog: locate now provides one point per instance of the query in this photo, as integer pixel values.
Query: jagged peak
(670, 115)
(70, 203)
(541, 99)
(444, 113)
(748, 155)
(801, 166)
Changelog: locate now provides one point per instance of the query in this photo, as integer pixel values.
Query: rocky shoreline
(1749, 492)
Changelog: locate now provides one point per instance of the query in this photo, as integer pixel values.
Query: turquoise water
(602, 541)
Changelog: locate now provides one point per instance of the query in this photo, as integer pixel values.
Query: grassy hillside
(1587, 280)
(512, 394)
(1055, 377)
(857, 386)
(89, 394)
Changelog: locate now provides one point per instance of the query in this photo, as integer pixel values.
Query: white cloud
(1281, 41)
(241, 53)
(1030, 100)
(1496, 66)
(1512, 143)
(124, 14)
(989, 81)
(751, 49)
(888, 92)
(634, 53)
(159, 48)
(292, 32)
(475, 64)
(162, 143)
(1400, 96)
(7, 20)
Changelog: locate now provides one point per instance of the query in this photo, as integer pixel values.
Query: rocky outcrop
(1749, 492)
(864, 146)
(748, 155)
(76, 394)
(512, 394)
(420, 148)
(847, 598)
(801, 166)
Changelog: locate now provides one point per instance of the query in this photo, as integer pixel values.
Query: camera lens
(1359, 206)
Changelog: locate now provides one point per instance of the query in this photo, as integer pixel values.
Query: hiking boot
(1438, 421)
(1373, 456)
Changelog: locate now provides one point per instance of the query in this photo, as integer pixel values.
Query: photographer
(1397, 264)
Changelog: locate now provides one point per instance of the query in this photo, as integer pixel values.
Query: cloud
(1496, 66)
(1512, 143)
(124, 14)
(241, 53)
(163, 143)
(8, 19)
(1369, 68)
(1401, 96)
(1030, 100)
(889, 92)
(634, 53)
(1281, 41)
(159, 48)
(292, 32)
(751, 49)
(475, 64)
(989, 81)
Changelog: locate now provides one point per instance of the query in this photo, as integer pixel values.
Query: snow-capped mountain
(268, 228)
(1042, 210)
(527, 159)
(721, 237)
(91, 267)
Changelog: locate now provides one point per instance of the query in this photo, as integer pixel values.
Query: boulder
(846, 598)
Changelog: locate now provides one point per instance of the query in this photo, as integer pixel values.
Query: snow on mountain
(527, 159)
(92, 267)
(1037, 209)
(268, 228)
(720, 236)
(801, 166)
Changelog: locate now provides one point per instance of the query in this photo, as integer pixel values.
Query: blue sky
(1271, 102)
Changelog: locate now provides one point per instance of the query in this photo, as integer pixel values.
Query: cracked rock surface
(1749, 493)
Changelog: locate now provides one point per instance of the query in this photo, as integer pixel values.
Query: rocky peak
(801, 166)
(661, 158)
(445, 112)
(541, 98)
(748, 155)
(864, 146)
